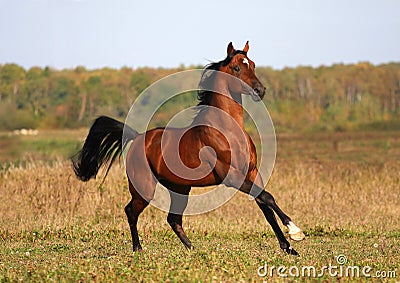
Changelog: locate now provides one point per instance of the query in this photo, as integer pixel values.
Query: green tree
(12, 79)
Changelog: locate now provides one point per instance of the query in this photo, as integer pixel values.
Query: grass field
(342, 189)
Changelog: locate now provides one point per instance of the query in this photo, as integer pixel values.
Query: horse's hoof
(137, 249)
(291, 251)
(299, 236)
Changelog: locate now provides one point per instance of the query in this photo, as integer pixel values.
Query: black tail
(103, 145)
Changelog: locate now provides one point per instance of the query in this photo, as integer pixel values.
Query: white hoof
(297, 237)
(295, 232)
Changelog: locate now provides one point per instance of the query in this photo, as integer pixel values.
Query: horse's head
(239, 65)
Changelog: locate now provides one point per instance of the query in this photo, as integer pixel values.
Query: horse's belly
(186, 171)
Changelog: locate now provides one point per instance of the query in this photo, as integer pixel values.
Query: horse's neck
(232, 105)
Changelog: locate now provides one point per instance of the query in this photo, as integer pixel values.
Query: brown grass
(331, 195)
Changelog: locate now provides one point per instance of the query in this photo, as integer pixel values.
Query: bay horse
(202, 148)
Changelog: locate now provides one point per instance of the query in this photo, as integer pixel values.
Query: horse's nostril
(257, 90)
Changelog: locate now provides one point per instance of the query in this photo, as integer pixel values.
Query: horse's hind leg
(132, 210)
(178, 204)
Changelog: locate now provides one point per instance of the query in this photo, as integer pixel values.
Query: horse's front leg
(235, 178)
(179, 198)
(265, 197)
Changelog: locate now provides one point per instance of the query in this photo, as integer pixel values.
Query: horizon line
(196, 66)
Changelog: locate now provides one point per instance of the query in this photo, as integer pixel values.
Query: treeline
(338, 97)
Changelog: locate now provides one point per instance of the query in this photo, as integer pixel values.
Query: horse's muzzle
(259, 91)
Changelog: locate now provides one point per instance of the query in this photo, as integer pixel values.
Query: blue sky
(116, 33)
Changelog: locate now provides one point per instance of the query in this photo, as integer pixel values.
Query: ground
(342, 189)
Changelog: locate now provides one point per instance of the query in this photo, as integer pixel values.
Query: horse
(201, 148)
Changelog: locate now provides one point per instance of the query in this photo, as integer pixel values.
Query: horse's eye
(236, 68)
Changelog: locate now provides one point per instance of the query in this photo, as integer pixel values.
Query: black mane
(204, 95)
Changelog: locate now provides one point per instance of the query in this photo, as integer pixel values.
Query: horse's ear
(246, 47)
(230, 49)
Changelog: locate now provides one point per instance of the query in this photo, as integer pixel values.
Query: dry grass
(43, 194)
(331, 195)
(56, 227)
